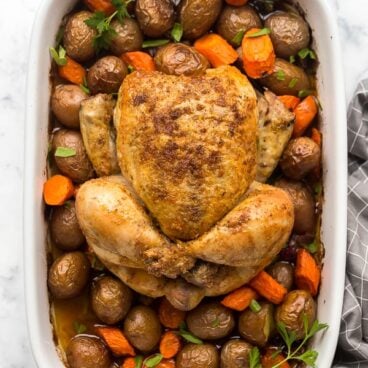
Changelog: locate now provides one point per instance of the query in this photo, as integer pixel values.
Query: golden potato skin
(198, 356)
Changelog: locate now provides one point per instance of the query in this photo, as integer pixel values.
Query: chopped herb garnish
(153, 361)
(138, 361)
(215, 323)
(65, 152)
(303, 53)
(305, 92)
(238, 38)
(318, 189)
(292, 59)
(84, 87)
(177, 32)
(105, 33)
(293, 82)
(59, 56)
(68, 204)
(280, 75)
(255, 306)
(130, 69)
(254, 358)
(96, 264)
(312, 247)
(79, 327)
(186, 335)
(121, 8)
(154, 43)
(262, 32)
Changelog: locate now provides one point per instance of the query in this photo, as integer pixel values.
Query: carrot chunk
(271, 359)
(57, 190)
(305, 112)
(258, 54)
(316, 136)
(72, 71)
(166, 364)
(236, 2)
(169, 316)
(307, 272)
(128, 363)
(290, 102)
(104, 6)
(116, 341)
(216, 49)
(170, 344)
(139, 60)
(268, 287)
(239, 299)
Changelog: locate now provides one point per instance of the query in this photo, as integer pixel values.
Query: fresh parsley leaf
(122, 9)
(59, 56)
(292, 59)
(262, 32)
(280, 75)
(309, 358)
(64, 152)
(312, 247)
(186, 335)
(305, 92)
(255, 358)
(293, 82)
(316, 327)
(84, 87)
(154, 43)
(152, 361)
(177, 32)
(79, 327)
(306, 52)
(238, 38)
(105, 33)
(138, 361)
(255, 306)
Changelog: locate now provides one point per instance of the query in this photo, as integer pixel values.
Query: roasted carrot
(290, 102)
(216, 49)
(139, 60)
(271, 359)
(169, 316)
(236, 2)
(166, 364)
(239, 299)
(115, 340)
(316, 136)
(104, 6)
(305, 112)
(258, 54)
(268, 287)
(57, 190)
(170, 344)
(128, 363)
(72, 71)
(307, 272)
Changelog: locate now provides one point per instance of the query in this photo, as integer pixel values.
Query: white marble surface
(15, 27)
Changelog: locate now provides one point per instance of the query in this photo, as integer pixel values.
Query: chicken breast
(188, 145)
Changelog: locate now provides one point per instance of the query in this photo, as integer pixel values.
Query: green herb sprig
(59, 56)
(64, 152)
(238, 38)
(255, 358)
(154, 43)
(186, 335)
(153, 360)
(138, 361)
(306, 52)
(262, 32)
(177, 32)
(79, 327)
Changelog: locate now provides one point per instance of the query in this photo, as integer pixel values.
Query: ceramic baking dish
(331, 91)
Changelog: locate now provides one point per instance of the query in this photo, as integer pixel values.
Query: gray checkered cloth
(352, 350)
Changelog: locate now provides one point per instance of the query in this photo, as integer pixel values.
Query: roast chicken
(185, 217)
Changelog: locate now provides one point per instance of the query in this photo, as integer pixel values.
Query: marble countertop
(14, 347)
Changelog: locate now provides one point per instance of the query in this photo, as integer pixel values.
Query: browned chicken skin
(187, 150)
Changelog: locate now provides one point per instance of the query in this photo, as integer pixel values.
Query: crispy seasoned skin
(98, 133)
(188, 145)
(275, 126)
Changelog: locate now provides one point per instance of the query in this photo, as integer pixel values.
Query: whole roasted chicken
(177, 210)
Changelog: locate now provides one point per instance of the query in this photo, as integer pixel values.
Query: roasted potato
(87, 352)
(283, 273)
(68, 275)
(155, 17)
(300, 157)
(180, 59)
(210, 321)
(110, 299)
(77, 167)
(198, 16)
(128, 36)
(304, 205)
(198, 356)
(257, 327)
(106, 75)
(235, 354)
(287, 79)
(289, 33)
(142, 328)
(236, 19)
(64, 227)
(65, 104)
(297, 304)
(78, 37)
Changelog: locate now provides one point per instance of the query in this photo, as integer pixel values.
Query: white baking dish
(331, 90)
